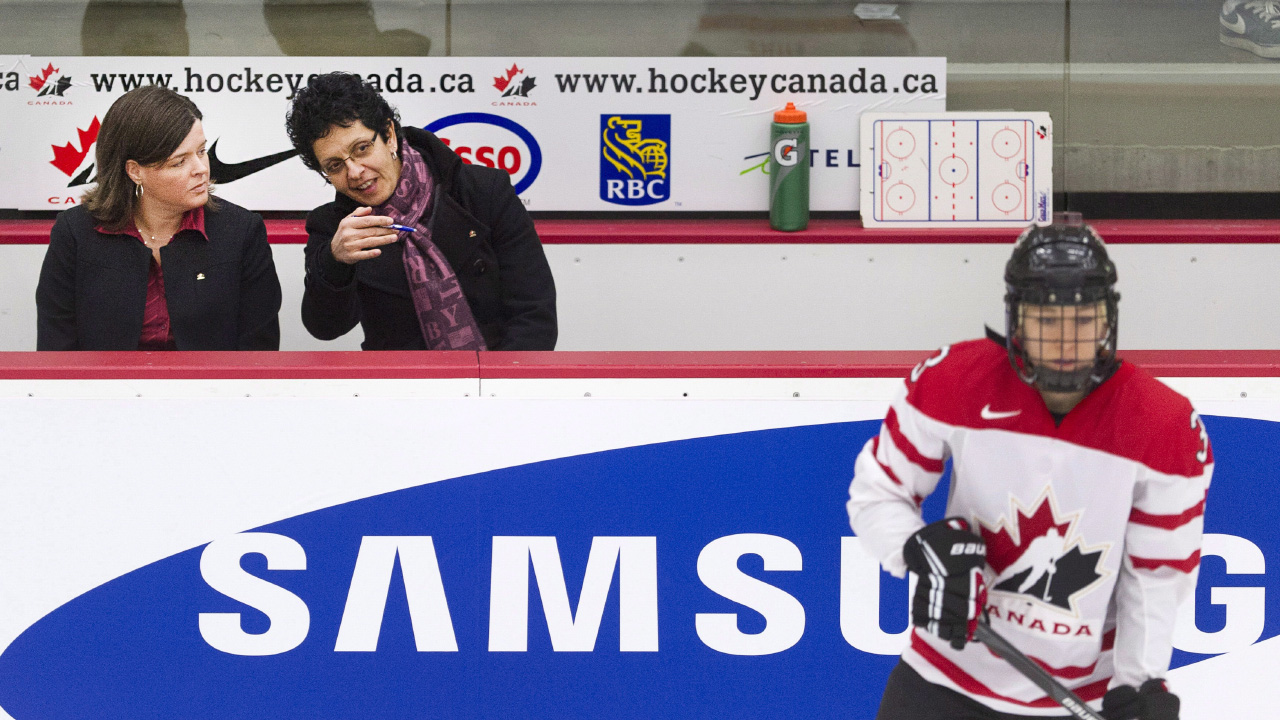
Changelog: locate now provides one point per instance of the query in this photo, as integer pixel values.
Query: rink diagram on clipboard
(958, 170)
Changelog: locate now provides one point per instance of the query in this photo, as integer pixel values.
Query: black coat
(485, 233)
(222, 293)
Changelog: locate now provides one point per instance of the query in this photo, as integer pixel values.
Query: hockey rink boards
(324, 557)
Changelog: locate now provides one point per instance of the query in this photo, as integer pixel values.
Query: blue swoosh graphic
(131, 648)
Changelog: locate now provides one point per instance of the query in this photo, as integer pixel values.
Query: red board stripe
(820, 231)
(1167, 522)
(559, 364)
(927, 464)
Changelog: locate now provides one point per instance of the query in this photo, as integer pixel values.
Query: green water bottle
(789, 170)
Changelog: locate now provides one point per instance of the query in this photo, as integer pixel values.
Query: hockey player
(1076, 505)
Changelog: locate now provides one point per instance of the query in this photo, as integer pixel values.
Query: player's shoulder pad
(1176, 440)
(952, 365)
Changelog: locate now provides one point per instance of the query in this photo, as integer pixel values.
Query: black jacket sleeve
(259, 321)
(56, 292)
(330, 302)
(528, 290)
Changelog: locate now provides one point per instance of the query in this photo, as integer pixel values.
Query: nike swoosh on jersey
(989, 414)
(1237, 27)
(222, 173)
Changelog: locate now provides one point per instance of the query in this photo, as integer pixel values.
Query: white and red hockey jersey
(1093, 526)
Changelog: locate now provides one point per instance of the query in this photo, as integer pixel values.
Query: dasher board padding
(960, 169)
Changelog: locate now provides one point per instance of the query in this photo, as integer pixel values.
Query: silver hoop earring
(137, 190)
(394, 156)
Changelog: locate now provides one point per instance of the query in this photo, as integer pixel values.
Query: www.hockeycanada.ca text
(251, 81)
(753, 84)
(398, 81)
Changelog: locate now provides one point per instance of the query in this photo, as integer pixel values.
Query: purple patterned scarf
(442, 309)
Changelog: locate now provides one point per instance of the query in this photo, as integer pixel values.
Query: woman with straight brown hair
(148, 260)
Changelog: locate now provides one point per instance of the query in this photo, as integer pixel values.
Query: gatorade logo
(788, 152)
(784, 151)
(634, 159)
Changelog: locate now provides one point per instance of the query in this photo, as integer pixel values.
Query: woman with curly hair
(421, 250)
(148, 260)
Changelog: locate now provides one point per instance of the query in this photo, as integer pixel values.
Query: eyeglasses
(338, 166)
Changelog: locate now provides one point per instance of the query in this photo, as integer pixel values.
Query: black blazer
(222, 293)
(480, 225)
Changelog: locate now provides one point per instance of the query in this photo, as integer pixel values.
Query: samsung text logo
(633, 560)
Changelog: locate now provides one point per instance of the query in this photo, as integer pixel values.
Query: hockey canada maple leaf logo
(1039, 555)
(46, 85)
(510, 86)
(67, 157)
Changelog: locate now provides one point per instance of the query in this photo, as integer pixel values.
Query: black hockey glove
(1152, 701)
(952, 591)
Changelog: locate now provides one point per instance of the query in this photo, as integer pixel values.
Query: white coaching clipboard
(956, 169)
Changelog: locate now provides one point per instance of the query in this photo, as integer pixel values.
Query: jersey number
(1196, 422)
(918, 370)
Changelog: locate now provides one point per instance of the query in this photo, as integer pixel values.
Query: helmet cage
(1063, 271)
(1104, 330)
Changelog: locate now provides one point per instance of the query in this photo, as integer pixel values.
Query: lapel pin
(199, 276)
(473, 233)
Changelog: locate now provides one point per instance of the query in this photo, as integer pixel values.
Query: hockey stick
(1033, 672)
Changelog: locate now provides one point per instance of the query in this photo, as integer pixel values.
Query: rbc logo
(634, 155)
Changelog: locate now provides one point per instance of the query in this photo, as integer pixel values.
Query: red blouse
(156, 331)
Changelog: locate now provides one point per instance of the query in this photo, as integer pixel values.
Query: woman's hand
(359, 236)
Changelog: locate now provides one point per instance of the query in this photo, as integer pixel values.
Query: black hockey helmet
(1054, 268)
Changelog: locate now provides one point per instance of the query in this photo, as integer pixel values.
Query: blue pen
(401, 228)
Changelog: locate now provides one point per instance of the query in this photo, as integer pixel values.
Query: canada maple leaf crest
(67, 157)
(1040, 555)
(508, 85)
(501, 82)
(38, 81)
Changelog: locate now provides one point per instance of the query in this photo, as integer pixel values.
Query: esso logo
(492, 141)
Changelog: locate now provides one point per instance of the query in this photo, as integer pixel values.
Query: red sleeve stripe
(1185, 566)
(1109, 640)
(973, 686)
(903, 444)
(875, 453)
(1168, 522)
(889, 472)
